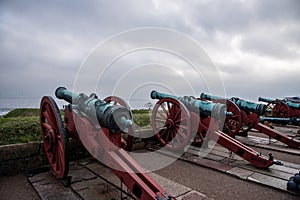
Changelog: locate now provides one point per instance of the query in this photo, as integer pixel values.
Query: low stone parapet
(15, 158)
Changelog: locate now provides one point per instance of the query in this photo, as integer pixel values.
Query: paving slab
(268, 180)
(291, 165)
(210, 155)
(286, 169)
(209, 163)
(79, 173)
(173, 188)
(17, 187)
(95, 189)
(104, 173)
(193, 195)
(48, 187)
(240, 172)
(271, 171)
(214, 157)
(228, 160)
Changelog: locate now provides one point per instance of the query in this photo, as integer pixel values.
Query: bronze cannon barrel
(293, 105)
(266, 100)
(247, 106)
(280, 120)
(290, 104)
(115, 118)
(196, 105)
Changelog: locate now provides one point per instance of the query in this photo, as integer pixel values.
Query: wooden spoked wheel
(127, 139)
(55, 140)
(171, 123)
(280, 109)
(232, 123)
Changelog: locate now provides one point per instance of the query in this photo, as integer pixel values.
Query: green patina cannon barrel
(289, 103)
(293, 105)
(266, 100)
(115, 118)
(210, 97)
(247, 106)
(279, 120)
(207, 108)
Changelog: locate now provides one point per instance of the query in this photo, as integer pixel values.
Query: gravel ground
(218, 185)
(17, 187)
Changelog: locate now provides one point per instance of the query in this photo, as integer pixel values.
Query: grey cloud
(43, 43)
(278, 11)
(267, 44)
(268, 28)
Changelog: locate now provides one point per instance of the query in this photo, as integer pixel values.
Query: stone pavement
(220, 159)
(258, 139)
(92, 180)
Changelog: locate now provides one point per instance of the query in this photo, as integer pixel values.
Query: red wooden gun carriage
(98, 125)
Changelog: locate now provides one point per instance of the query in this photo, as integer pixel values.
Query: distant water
(9, 104)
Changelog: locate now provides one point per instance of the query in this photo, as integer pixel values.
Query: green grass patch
(22, 125)
(19, 130)
(140, 111)
(142, 120)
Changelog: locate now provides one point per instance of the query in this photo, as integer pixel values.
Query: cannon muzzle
(247, 106)
(115, 118)
(195, 105)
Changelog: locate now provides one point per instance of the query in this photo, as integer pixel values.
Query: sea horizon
(9, 104)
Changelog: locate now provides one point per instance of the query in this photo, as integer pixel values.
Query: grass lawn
(23, 126)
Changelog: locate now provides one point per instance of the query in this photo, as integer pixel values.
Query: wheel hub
(50, 138)
(170, 123)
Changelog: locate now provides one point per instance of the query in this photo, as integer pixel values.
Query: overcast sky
(255, 44)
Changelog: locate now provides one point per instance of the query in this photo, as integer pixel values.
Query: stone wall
(20, 157)
(17, 158)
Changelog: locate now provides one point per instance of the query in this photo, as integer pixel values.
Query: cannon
(175, 118)
(99, 126)
(279, 120)
(249, 115)
(282, 108)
